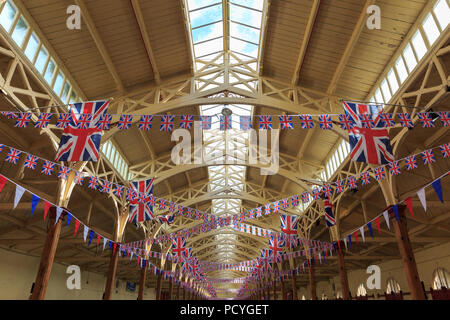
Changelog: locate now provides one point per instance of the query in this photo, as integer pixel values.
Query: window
(392, 286)
(32, 47)
(386, 91)
(392, 81)
(20, 31)
(441, 279)
(115, 158)
(378, 96)
(7, 16)
(430, 28)
(419, 45)
(50, 71)
(65, 92)
(442, 13)
(401, 69)
(361, 292)
(58, 83)
(41, 60)
(410, 59)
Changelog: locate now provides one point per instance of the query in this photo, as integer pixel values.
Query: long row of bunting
(211, 221)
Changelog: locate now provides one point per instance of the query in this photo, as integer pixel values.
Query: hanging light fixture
(227, 111)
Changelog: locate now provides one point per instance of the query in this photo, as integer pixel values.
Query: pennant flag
(86, 229)
(356, 237)
(362, 233)
(114, 248)
(369, 226)
(395, 208)
(386, 218)
(91, 235)
(77, 225)
(377, 222)
(438, 188)
(408, 202)
(58, 214)
(34, 201)
(2, 182)
(350, 240)
(19, 193)
(422, 198)
(104, 243)
(69, 217)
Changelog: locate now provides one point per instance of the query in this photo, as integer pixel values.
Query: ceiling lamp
(227, 112)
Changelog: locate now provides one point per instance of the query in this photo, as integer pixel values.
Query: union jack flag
(104, 122)
(366, 121)
(31, 162)
(180, 209)
(411, 162)
(325, 122)
(379, 173)
(365, 178)
(445, 149)
(9, 115)
(225, 122)
(394, 168)
(63, 172)
(169, 219)
(352, 182)
(405, 120)
(43, 120)
(179, 247)
(387, 120)
(189, 212)
(329, 217)
(286, 122)
(186, 121)
(141, 211)
(265, 254)
(258, 212)
(64, 120)
(289, 224)
(245, 122)
(151, 199)
(340, 186)
(131, 194)
(346, 121)
(267, 209)
(327, 190)
(162, 204)
(23, 120)
(425, 119)
(445, 118)
(428, 157)
(125, 122)
(371, 145)
(145, 123)
(106, 186)
(306, 121)
(83, 121)
(206, 122)
(276, 206)
(171, 207)
(265, 122)
(305, 197)
(166, 123)
(295, 200)
(79, 178)
(285, 203)
(82, 144)
(47, 168)
(118, 190)
(276, 244)
(316, 193)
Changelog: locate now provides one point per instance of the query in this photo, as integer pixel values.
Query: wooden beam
(308, 32)
(349, 48)
(143, 30)
(100, 45)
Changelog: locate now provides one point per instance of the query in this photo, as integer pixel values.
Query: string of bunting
(286, 122)
(210, 220)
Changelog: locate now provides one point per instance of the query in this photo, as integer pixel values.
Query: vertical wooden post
(294, 286)
(312, 282)
(405, 248)
(184, 293)
(178, 291)
(283, 290)
(170, 289)
(47, 257)
(158, 286)
(343, 275)
(274, 289)
(111, 277)
(142, 282)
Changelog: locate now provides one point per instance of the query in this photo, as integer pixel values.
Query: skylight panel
(205, 15)
(442, 13)
(430, 28)
(419, 45)
(207, 32)
(7, 16)
(205, 48)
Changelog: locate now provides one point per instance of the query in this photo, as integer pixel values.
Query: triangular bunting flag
(98, 240)
(423, 201)
(362, 233)
(58, 214)
(34, 201)
(377, 222)
(91, 236)
(369, 226)
(395, 209)
(2, 182)
(104, 243)
(86, 229)
(386, 218)
(77, 225)
(356, 237)
(69, 217)
(438, 188)
(350, 240)
(408, 202)
(47, 206)
(19, 193)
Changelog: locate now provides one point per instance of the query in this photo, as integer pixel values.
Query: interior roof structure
(196, 57)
